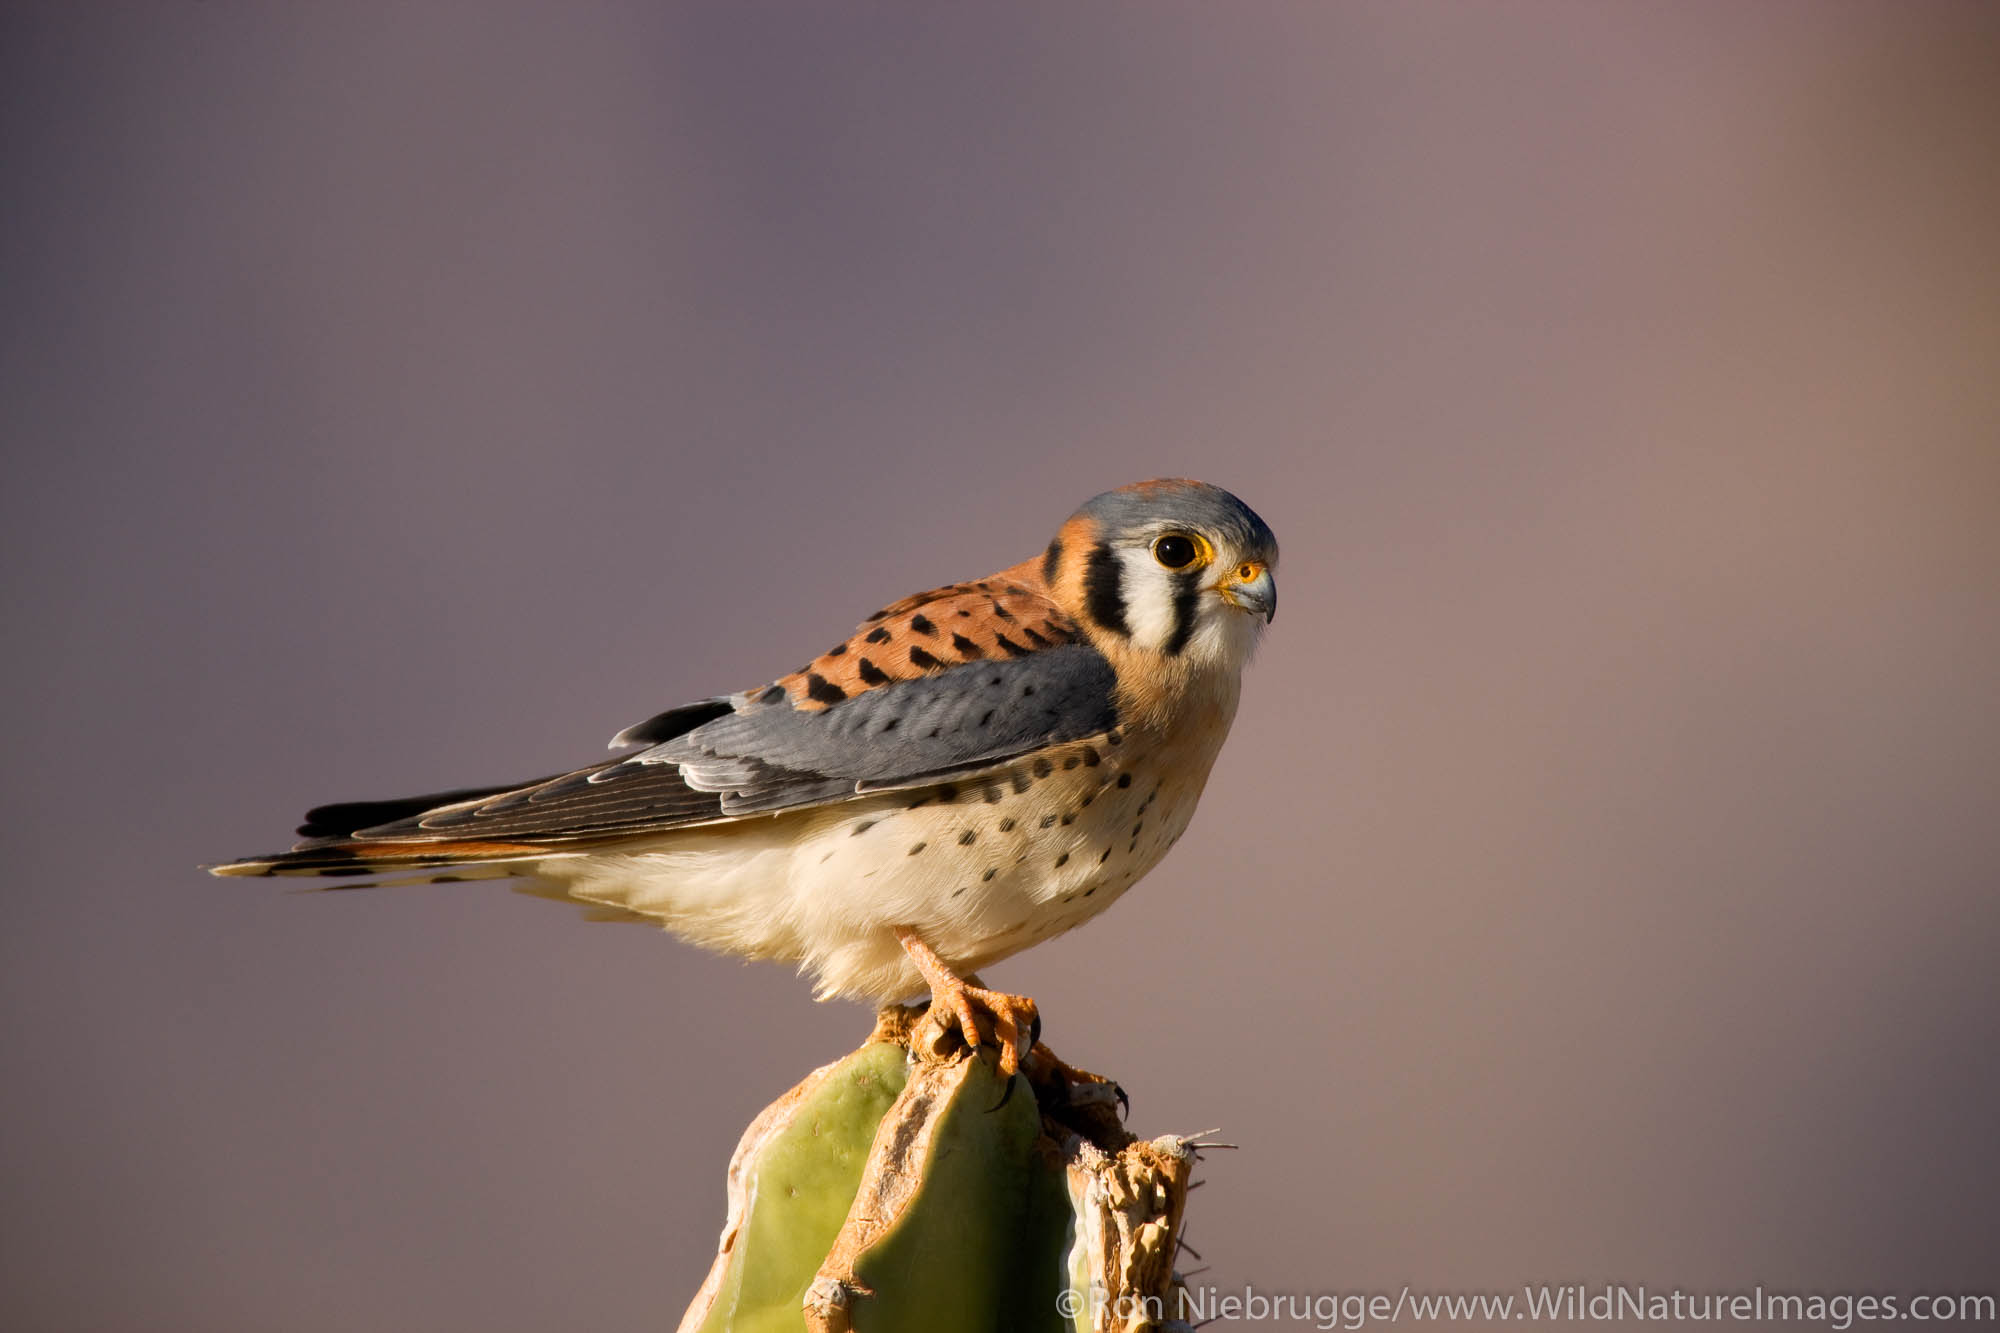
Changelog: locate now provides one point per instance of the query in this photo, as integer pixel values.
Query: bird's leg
(1015, 1021)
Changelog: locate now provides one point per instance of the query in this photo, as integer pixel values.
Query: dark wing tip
(663, 727)
(344, 819)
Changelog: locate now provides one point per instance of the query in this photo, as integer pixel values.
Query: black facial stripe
(1187, 598)
(1103, 593)
(1051, 558)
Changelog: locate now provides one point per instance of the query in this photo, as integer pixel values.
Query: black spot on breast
(1020, 781)
(1063, 859)
(914, 850)
(1071, 762)
(870, 673)
(1124, 780)
(861, 828)
(947, 793)
(966, 648)
(819, 688)
(922, 624)
(1043, 768)
(1048, 821)
(1092, 889)
(1091, 756)
(990, 793)
(967, 838)
(922, 659)
(1006, 826)
(991, 871)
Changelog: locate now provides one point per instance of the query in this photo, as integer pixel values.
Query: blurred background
(1602, 882)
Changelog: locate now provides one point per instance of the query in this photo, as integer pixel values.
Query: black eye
(1175, 551)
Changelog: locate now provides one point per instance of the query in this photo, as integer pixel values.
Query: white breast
(982, 868)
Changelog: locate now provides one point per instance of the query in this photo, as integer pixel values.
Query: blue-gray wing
(930, 729)
(742, 755)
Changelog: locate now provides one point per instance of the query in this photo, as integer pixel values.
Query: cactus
(905, 1187)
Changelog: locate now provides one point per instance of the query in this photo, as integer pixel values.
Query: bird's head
(1172, 574)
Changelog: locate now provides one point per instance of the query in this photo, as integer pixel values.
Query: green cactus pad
(791, 1181)
(892, 1191)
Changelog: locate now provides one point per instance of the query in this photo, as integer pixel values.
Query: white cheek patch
(1222, 634)
(1149, 598)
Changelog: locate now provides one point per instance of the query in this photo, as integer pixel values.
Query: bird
(974, 770)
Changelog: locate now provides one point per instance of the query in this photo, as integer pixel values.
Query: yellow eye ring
(1181, 550)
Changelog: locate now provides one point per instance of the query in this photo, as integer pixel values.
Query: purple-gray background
(1600, 884)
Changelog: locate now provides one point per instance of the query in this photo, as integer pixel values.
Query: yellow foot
(981, 1015)
(1014, 1020)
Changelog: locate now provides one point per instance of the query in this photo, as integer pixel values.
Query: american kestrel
(976, 769)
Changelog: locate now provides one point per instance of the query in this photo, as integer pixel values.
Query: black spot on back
(920, 658)
(871, 674)
(921, 623)
(819, 688)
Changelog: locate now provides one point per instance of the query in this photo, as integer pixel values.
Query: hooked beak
(1250, 587)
